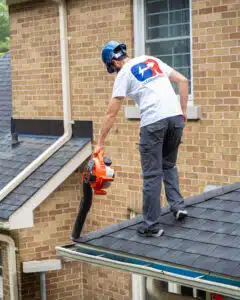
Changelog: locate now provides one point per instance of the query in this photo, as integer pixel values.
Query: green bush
(4, 27)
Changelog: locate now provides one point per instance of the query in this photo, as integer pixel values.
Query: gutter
(150, 268)
(66, 108)
(12, 266)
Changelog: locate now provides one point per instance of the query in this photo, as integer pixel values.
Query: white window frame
(140, 34)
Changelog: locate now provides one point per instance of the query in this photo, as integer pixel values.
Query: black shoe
(146, 232)
(180, 214)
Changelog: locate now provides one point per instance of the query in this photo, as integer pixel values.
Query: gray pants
(158, 148)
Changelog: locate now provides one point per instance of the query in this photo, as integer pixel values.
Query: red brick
(220, 8)
(205, 10)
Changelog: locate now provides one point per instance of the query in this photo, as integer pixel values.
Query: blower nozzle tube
(84, 208)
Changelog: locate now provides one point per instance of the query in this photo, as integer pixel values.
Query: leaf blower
(97, 177)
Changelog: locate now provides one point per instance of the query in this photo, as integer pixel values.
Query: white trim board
(38, 266)
(24, 217)
(132, 112)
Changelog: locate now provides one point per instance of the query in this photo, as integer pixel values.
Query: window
(163, 29)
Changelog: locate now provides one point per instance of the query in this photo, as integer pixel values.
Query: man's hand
(185, 116)
(97, 149)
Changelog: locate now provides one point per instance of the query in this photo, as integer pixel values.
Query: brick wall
(35, 61)
(105, 283)
(53, 221)
(209, 154)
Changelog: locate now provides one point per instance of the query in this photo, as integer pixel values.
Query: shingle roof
(208, 240)
(13, 160)
(5, 93)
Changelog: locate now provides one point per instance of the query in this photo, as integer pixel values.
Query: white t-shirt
(145, 80)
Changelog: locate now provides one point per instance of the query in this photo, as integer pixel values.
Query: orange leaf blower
(97, 177)
(99, 174)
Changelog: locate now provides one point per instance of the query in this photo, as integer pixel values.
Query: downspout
(66, 108)
(12, 266)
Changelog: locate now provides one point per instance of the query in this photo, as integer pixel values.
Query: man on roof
(146, 80)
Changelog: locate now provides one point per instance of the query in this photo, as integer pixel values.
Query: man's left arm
(112, 111)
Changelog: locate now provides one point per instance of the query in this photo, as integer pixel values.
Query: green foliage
(4, 27)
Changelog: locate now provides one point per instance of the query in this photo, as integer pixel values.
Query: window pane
(177, 17)
(158, 19)
(182, 60)
(178, 4)
(157, 32)
(168, 47)
(157, 6)
(167, 59)
(159, 48)
(181, 46)
(179, 30)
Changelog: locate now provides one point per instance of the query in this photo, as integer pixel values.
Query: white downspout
(66, 108)
(12, 266)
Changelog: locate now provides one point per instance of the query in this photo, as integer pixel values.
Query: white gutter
(66, 108)
(12, 266)
(146, 270)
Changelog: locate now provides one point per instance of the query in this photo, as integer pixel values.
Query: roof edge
(115, 227)
(149, 267)
(212, 193)
(126, 223)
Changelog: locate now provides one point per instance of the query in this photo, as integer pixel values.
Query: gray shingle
(225, 240)
(236, 230)
(123, 234)
(225, 216)
(227, 267)
(196, 247)
(203, 236)
(187, 259)
(225, 252)
(233, 196)
(179, 232)
(195, 211)
(156, 252)
(172, 256)
(231, 206)
(164, 241)
(130, 247)
(205, 262)
(105, 242)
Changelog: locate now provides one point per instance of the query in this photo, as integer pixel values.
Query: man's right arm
(182, 83)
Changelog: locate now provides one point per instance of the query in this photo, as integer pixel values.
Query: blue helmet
(112, 50)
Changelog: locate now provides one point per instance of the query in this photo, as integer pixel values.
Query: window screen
(168, 33)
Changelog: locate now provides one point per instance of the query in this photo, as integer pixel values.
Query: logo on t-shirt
(147, 69)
